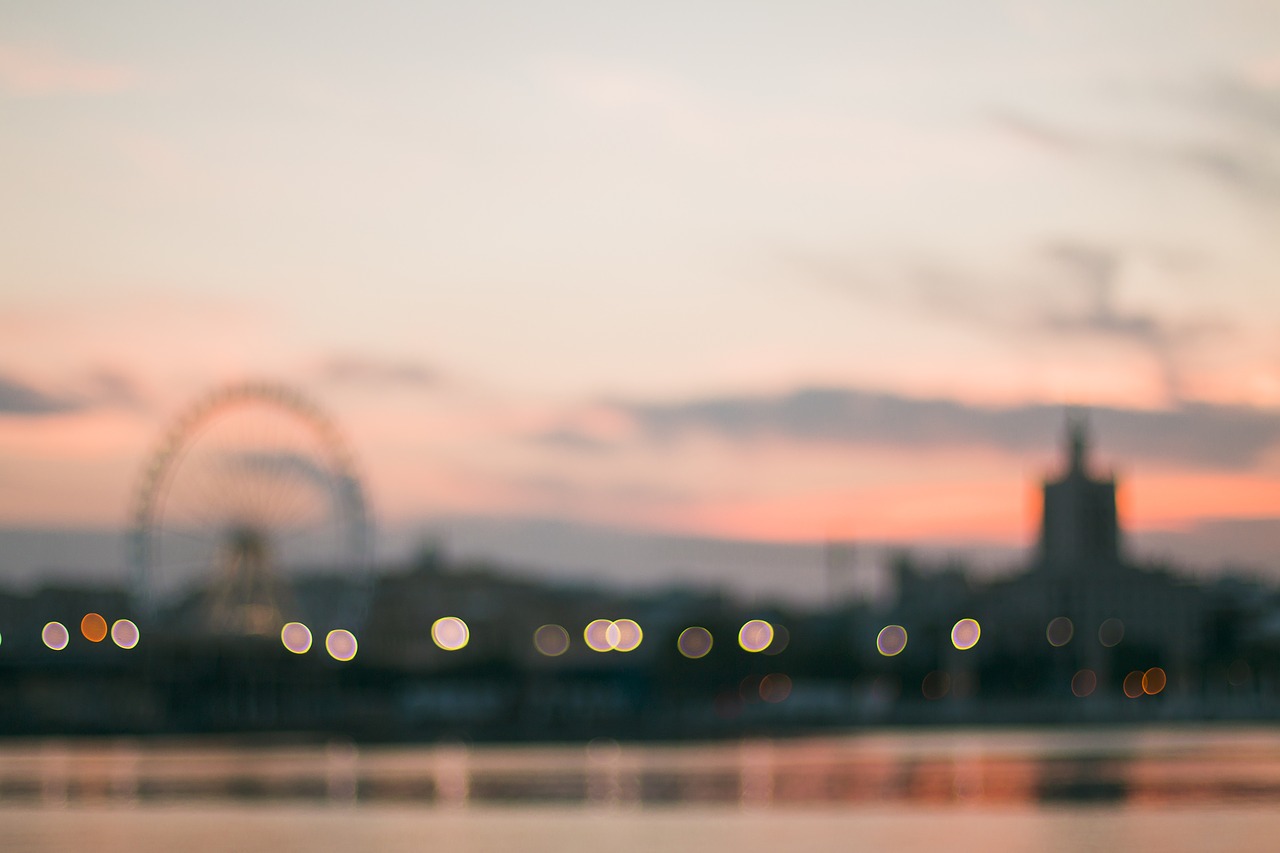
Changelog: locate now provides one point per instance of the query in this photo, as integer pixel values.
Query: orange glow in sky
(791, 276)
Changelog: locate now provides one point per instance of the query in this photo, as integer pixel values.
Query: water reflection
(1136, 767)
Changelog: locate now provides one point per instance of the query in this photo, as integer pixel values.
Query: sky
(746, 271)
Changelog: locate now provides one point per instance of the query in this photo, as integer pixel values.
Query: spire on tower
(1077, 443)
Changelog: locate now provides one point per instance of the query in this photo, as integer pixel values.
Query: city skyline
(726, 272)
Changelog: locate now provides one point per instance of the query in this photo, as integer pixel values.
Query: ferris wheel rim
(182, 432)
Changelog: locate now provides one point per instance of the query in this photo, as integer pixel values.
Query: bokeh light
(1111, 632)
(935, 685)
(694, 642)
(629, 635)
(125, 634)
(775, 687)
(551, 640)
(341, 644)
(781, 639)
(93, 627)
(450, 633)
(596, 635)
(1153, 681)
(55, 636)
(1060, 631)
(1133, 684)
(296, 637)
(965, 634)
(891, 640)
(1084, 682)
(755, 635)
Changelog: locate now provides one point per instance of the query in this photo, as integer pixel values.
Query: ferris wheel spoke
(287, 493)
(296, 503)
(192, 536)
(251, 473)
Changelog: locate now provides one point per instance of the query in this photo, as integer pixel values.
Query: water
(954, 791)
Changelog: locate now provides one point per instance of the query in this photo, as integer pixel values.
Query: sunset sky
(745, 270)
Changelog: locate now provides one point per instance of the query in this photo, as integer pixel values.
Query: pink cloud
(33, 72)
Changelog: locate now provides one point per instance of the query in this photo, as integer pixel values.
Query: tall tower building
(1079, 531)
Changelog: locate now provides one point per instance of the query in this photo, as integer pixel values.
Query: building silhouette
(1079, 531)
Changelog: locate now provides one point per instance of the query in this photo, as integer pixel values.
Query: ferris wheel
(249, 500)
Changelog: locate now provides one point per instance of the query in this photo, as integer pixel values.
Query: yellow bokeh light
(1111, 632)
(93, 627)
(965, 634)
(551, 640)
(891, 640)
(124, 633)
(1060, 631)
(296, 637)
(755, 635)
(630, 635)
(596, 635)
(450, 633)
(341, 644)
(605, 635)
(694, 642)
(55, 636)
(1153, 681)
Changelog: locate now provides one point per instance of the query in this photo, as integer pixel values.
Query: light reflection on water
(995, 767)
(1167, 789)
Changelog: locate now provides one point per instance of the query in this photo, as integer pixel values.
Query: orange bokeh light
(93, 627)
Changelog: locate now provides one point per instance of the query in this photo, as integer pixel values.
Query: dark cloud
(1032, 307)
(1246, 171)
(101, 388)
(1197, 435)
(1240, 156)
(1096, 269)
(1237, 100)
(367, 371)
(17, 398)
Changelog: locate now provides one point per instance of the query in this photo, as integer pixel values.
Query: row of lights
(601, 635)
(965, 634)
(892, 639)
(93, 627)
(1136, 684)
